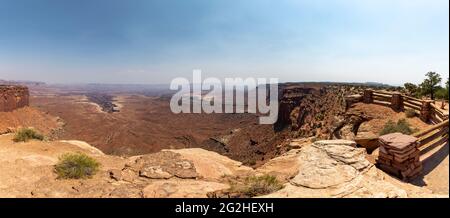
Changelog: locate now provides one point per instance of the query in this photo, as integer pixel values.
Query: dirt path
(436, 170)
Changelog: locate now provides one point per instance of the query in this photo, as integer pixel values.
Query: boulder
(336, 169)
(212, 166)
(162, 165)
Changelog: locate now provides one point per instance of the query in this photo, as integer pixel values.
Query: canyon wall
(313, 111)
(13, 97)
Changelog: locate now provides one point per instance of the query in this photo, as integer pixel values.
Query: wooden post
(368, 96)
(425, 111)
(397, 102)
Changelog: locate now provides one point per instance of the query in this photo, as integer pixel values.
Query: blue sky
(146, 41)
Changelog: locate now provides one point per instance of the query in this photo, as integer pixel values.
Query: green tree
(446, 85)
(430, 85)
(441, 93)
(446, 90)
(412, 89)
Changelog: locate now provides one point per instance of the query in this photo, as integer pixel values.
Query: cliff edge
(13, 97)
(320, 169)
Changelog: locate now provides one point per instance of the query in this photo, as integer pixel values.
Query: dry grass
(256, 186)
(26, 134)
(410, 113)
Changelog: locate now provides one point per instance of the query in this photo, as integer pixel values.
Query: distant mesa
(21, 82)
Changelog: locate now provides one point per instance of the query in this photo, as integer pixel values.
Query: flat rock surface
(317, 170)
(336, 170)
(182, 189)
(398, 141)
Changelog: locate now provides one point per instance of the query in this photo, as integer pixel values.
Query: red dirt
(381, 115)
(143, 125)
(28, 117)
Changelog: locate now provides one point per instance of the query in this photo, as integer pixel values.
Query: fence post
(397, 101)
(368, 96)
(425, 111)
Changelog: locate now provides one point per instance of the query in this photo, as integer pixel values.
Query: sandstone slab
(181, 189)
(336, 169)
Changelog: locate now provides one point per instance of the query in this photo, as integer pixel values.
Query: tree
(441, 93)
(446, 84)
(446, 90)
(412, 89)
(430, 85)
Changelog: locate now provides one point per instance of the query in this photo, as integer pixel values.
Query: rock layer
(334, 169)
(323, 169)
(13, 97)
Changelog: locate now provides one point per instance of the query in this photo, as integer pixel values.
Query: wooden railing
(433, 136)
(438, 114)
(427, 110)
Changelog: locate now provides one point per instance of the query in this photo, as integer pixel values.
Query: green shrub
(320, 117)
(410, 113)
(26, 134)
(251, 162)
(257, 185)
(76, 166)
(402, 126)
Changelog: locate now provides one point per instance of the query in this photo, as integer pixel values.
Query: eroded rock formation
(311, 111)
(335, 169)
(322, 169)
(13, 97)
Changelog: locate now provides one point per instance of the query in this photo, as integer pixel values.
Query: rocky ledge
(13, 97)
(321, 169)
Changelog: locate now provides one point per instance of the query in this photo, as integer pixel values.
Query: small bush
(320, 117)
(257, 185)
(402, 126)
(76, 166)
(410, 113)
(26, 134)
(251, 162)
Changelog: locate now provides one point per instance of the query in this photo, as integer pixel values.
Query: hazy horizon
(147, 42)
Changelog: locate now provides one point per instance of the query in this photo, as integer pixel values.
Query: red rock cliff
(13, 97)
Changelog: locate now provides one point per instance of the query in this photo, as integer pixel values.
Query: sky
(155, 41)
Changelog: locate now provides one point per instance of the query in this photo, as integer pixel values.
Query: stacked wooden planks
(382, 98)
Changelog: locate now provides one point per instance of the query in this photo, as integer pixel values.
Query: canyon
(147, 151)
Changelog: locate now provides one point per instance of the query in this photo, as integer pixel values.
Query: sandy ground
(381, 115)
(25, 166)
(28, 117)
(436, 170)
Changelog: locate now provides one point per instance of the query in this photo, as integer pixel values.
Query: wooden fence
(433, 137)
(427, 110)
